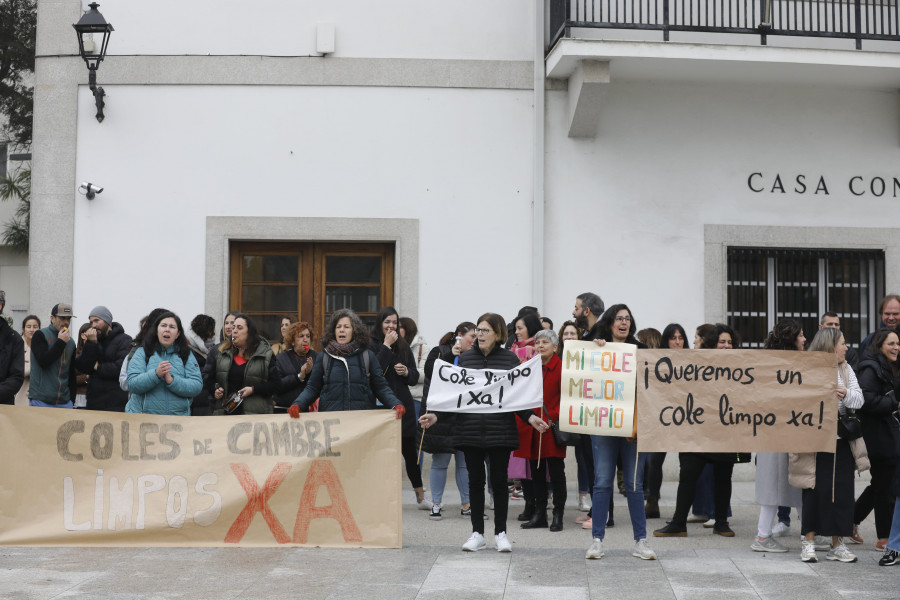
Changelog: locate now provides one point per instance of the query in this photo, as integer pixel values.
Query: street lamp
(93, 22)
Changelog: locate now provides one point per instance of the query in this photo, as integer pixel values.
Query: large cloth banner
(597, 395)
(80, 478)
(736, 400)
(456, 389)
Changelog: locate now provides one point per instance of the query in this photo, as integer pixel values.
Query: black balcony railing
(847, 19)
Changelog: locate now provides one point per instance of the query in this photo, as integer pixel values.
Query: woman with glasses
(617, 325)
(488, 439)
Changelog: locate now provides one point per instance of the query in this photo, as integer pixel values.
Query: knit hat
(101, 312)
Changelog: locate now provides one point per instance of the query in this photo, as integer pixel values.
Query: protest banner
(79, 478)
(736, 400)
(597, 395)
(457, 389)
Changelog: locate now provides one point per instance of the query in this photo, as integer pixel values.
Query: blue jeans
(607, 450)
(34, 402)
(894, 539)
(439, 464)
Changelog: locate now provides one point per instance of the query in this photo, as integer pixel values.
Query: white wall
(670, 158)
(458, 160)
(464, 29)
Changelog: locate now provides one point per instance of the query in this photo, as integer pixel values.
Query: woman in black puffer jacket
(488, 439)
(877, 376)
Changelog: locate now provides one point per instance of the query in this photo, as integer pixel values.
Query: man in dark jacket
(588, 309)
(12, 358)
(105, 348)
(52, 381)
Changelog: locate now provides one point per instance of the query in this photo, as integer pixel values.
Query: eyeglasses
(483, 331)
(623, 319)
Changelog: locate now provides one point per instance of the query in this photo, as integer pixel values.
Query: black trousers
(410, 458)
(878, 496)
(691, 466)
(653, 475)
(557, 468)
(497, 462)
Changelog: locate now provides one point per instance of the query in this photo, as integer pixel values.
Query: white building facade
(448, 159)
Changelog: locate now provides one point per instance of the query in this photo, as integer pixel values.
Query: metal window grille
(768, 284)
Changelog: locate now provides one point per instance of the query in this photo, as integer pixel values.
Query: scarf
(338, 349)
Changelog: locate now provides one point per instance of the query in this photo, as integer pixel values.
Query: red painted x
(258, 502)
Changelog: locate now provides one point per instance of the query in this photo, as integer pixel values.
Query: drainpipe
(537, 213)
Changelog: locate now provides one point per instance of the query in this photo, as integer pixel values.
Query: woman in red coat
(540, 448)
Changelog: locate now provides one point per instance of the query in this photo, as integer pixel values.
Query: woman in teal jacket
(163, 375)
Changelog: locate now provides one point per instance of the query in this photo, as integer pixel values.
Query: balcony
(594, 43)
(855, 20)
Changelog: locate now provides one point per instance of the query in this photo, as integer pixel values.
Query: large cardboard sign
(73, 478)
(597, 395)
(736, 400)
(457, 389)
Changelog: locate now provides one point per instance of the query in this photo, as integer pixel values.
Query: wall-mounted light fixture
(90, 23)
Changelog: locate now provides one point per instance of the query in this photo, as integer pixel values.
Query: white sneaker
(768, 544)
(642, 550)
(474, 543)
(490, 503)
(502, 542)
(584, 503)
(841, 553)
(781, 530)
(808, 551)
(821, 542)
(709, 524)
(596, 549)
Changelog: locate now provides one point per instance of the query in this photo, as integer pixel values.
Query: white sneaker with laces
(642, 550)
(822, 542)
(584, 503)
(808, 551)
(596, 549)
(781, 530)
(841, 553)
(474, 543)
(502, 542)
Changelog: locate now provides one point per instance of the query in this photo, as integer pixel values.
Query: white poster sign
(457, 389)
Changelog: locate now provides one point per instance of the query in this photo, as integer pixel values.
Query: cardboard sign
(83, 478)
(597, 395)
(457, 389)
(736, 400)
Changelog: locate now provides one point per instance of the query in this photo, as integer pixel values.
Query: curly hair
(784, 335)
(360, 331)
(711, 337)
(294, 332)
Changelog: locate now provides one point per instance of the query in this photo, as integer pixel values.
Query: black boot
(557, 524)
(528, 513)
(651, 508)
(538, 519)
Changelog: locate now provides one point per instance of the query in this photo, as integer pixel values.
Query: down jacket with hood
(343, 384)
(152, 395)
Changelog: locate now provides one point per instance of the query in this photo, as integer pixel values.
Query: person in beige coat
(827, 478)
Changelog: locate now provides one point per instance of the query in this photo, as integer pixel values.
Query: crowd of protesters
(168, 370)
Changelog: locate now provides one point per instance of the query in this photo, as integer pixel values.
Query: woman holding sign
(617, 325)
(826, 478)
(488, 438)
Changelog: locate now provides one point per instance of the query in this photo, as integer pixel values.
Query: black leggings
(411, 458)
(557, 468)
(691, 467)
(498, 464)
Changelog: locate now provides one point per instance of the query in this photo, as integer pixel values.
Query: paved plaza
(431, 566)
